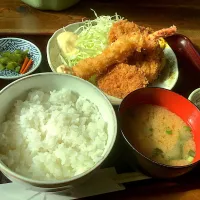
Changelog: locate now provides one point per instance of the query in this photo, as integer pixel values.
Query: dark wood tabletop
(17, 18)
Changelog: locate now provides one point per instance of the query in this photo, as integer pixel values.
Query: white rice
(52, 136)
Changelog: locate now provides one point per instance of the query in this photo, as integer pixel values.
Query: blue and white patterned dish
(11, 44)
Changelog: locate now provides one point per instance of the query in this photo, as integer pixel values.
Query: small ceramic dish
(194, 97)
(11, 44)
(166, 80)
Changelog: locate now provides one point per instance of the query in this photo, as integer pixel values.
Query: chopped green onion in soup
(190, 159)
(157, 152)
(187, 128)
(151, 129)
(191, 153)
(168, 131)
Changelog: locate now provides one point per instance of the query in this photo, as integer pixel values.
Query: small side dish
(18, 58)
(17, 61)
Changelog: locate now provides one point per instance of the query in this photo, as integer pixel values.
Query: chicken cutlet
(121, 80)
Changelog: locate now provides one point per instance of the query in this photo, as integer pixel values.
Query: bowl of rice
(56, 130)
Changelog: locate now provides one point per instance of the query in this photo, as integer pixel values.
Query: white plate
(167, 79)
(194, 97)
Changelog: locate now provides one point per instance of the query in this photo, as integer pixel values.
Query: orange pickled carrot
(24, 64)
(27, 66)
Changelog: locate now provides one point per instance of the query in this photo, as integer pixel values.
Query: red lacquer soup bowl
(175, 103)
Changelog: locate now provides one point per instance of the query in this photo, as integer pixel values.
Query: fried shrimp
(121, 50)
(124, 27)
(122, 80)
(154, 62)
(165, 32)
(151, 61)
(115, 53)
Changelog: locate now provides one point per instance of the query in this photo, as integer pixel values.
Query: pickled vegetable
(12, 60)
(2, 67)
(18, 51)
(6, 54)
(11, 66)
(18, 58)
(4, 60)
(17, 69)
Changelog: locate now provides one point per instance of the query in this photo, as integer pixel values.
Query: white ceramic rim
(49, 183)
(30, 71)
(112, 99)
(193, 93)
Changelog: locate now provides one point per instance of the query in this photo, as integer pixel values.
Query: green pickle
(18, 58)
(25, 53)
(2, 67)
(6, 54)
(18, 51)
(11, 66)
(12, 60)
(17, 69)
(4, 61)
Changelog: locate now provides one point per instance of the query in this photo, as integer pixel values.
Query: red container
(176, 104)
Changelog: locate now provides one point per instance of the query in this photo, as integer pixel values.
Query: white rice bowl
(60, 128)
(54, 139)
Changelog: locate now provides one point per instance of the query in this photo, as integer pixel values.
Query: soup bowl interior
(48, 82)
(175, 103)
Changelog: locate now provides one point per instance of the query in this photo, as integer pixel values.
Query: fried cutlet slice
(148, 62)
(121, 80)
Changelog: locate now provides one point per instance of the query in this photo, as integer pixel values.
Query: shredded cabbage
(92, 38)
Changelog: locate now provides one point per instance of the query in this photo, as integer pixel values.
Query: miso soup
(159, 134)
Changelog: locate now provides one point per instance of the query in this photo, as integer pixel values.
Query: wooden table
(18, 19)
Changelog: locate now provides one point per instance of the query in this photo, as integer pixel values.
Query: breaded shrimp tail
(165, 32)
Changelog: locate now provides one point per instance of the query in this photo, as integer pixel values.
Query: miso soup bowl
(176, 104)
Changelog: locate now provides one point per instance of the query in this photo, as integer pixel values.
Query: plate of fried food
(116, 55)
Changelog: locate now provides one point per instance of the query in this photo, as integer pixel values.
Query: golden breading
(122, 80)
(115, 53)
(148, 62)
(118, 52)
(124, 27)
